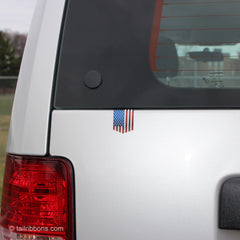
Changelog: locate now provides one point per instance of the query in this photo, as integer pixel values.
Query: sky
(16, 15)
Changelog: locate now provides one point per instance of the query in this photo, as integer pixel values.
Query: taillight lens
(37, 199)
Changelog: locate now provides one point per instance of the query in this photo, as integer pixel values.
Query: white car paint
(161, 181)
(31, 110)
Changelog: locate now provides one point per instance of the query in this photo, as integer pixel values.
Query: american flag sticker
(123, 120)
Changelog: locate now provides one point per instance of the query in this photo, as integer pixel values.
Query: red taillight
(37, 199)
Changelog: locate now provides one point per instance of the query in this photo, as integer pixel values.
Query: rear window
(195, 44)
(149, 54)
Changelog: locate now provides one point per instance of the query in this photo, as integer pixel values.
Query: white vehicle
(126, 123)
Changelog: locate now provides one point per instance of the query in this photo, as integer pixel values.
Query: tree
(9, 62)
(17, 41)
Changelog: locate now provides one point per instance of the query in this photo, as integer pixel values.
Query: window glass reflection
(198, 44)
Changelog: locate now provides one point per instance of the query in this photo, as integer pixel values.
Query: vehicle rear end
(125, 123)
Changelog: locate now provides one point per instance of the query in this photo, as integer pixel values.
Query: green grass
(5, 111)
(5, 104)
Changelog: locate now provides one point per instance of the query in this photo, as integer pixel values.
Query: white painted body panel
(160, 181)
(31, 109)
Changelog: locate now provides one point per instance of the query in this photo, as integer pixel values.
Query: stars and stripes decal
(123, 120)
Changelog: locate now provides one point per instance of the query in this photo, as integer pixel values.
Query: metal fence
(8, 78)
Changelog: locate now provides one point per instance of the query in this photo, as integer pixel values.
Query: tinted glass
(149, 54)
(197, 44)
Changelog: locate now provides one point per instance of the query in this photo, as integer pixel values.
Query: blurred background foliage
(11, 51)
